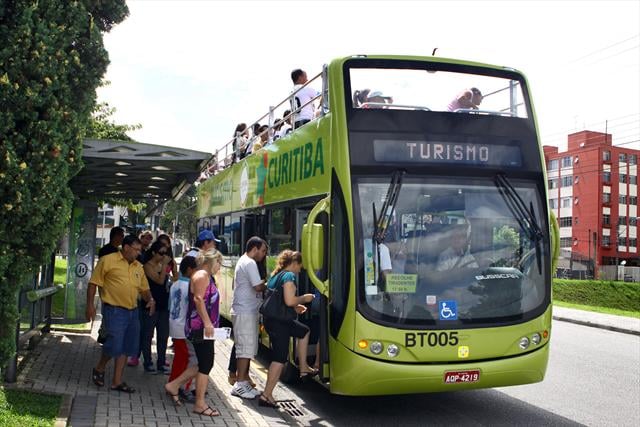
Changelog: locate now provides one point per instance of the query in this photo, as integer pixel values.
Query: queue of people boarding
(143, 293)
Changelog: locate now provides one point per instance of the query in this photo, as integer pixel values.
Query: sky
(189, 71)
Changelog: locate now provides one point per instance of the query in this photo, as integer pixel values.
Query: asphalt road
(593, 379)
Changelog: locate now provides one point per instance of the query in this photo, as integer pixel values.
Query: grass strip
(20, 408)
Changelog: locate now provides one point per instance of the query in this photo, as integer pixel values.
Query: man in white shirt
(247, 297)
(302, 97)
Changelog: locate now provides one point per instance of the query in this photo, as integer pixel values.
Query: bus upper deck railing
(231, 151)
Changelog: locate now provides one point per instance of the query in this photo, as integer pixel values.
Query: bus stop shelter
(112, 170)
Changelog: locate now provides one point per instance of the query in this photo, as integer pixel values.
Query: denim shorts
(123, 331)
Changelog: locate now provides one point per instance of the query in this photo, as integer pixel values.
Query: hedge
(52, 58)
(619, 295)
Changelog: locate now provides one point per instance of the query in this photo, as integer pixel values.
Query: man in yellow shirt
(121, 279)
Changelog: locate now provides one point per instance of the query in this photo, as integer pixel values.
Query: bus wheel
(290, 374)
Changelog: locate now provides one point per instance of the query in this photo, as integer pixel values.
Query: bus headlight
(393, 350)
(535, 339)
(376, 347)
(524, 343)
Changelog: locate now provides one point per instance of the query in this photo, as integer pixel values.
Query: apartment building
(593, 190)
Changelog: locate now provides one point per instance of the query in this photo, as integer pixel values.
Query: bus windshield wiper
(381, 223)
(386, 213)
(526, 217)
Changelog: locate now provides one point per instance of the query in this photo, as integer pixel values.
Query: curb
(65, 411)
(598, 325)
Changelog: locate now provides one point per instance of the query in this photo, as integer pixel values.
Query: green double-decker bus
(417, 196)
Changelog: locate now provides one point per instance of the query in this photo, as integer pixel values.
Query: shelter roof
(136, 171)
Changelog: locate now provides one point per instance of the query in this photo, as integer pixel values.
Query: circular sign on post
(81, 269)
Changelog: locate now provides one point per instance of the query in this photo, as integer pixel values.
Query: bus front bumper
(361, 376)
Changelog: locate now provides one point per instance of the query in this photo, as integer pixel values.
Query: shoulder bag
(274, 306)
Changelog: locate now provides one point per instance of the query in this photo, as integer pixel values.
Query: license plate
(462, 377)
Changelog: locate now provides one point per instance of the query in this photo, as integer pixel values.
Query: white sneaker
(244, 390)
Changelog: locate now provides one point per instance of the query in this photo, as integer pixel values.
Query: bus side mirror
(313, 244)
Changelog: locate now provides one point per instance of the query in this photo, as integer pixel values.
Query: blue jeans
(159, 322)
(122, 331)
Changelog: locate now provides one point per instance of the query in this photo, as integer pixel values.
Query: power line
(604, 48)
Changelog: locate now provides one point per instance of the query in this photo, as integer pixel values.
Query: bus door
(316, 315)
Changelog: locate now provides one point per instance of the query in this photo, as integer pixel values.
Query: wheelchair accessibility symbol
(448, 310)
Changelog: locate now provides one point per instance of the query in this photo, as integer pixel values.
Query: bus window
(454, 240)
(236, 247)
(419, 89)
(279, 234)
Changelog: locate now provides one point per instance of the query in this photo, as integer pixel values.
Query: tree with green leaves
(52, 59)
(183, 213)
(101, 125)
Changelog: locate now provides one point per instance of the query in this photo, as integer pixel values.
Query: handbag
(274, 306)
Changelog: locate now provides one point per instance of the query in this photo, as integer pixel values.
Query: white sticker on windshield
(431, 300)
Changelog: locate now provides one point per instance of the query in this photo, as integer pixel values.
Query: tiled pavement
(62, 363)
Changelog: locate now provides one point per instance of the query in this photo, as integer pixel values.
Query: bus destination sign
(414, 151)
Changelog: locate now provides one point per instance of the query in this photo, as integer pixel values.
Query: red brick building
(593, 190)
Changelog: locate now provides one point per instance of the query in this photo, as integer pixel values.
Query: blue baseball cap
(207, 235)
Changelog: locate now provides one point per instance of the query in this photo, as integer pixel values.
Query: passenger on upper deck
(304, 96)
(365, 98)
(241, 137)
(467, 99)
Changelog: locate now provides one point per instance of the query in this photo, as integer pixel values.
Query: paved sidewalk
(628, 325)
(62, 363)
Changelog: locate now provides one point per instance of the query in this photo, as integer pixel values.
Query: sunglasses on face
(162, 252)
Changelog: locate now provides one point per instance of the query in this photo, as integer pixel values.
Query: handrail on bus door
(307, 251)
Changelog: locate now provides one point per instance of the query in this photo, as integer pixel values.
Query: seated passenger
(241, 136)
(457, 255)
(370, 99)
(467, 99)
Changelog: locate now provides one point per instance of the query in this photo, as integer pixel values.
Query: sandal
(123, 387)
(212, 412)
(263, 401)
(308, 374)
(98, 378)
(176, 398)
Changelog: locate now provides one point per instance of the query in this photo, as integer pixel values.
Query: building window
(622, 199)
(606, 219)
(633, 180)
(606, 156)
(622, 157)
(553, 203)
(622, 241)
(623, 178)
(565, 242)
(566, 202)
(567, 181)
(553, 164)
(566, 162)
(622, 220)
(633, 200)
(553, 183)
(633, 159)
(565, 221)
(633, 220)
(606, 197)
(606, 240)
(606, 176)
(633, 242)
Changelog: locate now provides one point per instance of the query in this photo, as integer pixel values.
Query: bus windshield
(451, 251)
(427, 90)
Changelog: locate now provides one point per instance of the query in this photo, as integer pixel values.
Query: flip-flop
(98, 378)
(214, 412)
(123, 387)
